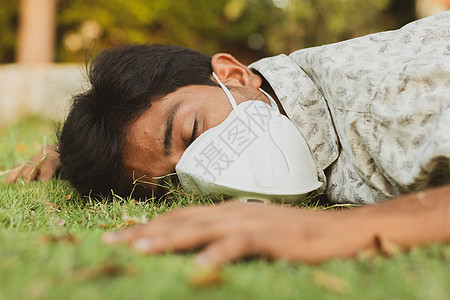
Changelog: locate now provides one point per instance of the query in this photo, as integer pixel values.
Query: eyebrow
(168, 132)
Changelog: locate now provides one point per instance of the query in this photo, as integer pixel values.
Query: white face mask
(255, 154)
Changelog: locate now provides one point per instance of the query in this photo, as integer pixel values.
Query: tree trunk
(36, 31)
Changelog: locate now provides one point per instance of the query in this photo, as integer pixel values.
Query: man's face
(158, 139)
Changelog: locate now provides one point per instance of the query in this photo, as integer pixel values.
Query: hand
(233, 230)
(42, 166)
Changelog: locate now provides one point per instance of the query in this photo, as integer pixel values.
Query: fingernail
(143, 245)
(202, 260)
(110, 238)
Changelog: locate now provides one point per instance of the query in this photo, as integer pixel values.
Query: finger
(227, 249)
(14, 174)
(47, 170)
(174, 221)
(159, 244)
(168, 234)
(186, 238)
(148, 230)
(267, 243)
(30, 172)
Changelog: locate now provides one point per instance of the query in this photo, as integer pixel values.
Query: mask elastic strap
(233, 102)
(272, 102)
(225, 89)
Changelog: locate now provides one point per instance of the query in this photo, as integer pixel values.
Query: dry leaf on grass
(58, 238)
(382, 246)
(105, 225)
(206, 277)
(49, 204)
(128, 224)
(386, 246)
(125, 224)
(105, 270)
(330, 282)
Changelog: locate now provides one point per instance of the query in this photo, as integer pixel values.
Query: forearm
(409, 220)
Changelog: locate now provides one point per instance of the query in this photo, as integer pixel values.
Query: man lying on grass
(372, 122)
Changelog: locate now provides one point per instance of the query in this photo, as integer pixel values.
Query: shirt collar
(304, 105)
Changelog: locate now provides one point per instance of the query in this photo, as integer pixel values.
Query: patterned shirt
(375, 110)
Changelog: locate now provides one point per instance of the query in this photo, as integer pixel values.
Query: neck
(266, 87)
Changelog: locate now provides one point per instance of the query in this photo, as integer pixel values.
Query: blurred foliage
(8, 29)
(249, 29)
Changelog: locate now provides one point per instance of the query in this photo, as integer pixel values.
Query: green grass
(50, 248)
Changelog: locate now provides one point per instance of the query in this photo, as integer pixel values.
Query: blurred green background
(249, 29)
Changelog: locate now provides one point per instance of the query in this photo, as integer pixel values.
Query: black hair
(124, 82)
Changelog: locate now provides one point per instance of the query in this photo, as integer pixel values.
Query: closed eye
(194, 131)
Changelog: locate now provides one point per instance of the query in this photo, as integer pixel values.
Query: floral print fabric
(375, 110)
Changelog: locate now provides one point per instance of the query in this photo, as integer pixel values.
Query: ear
(231, 72)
